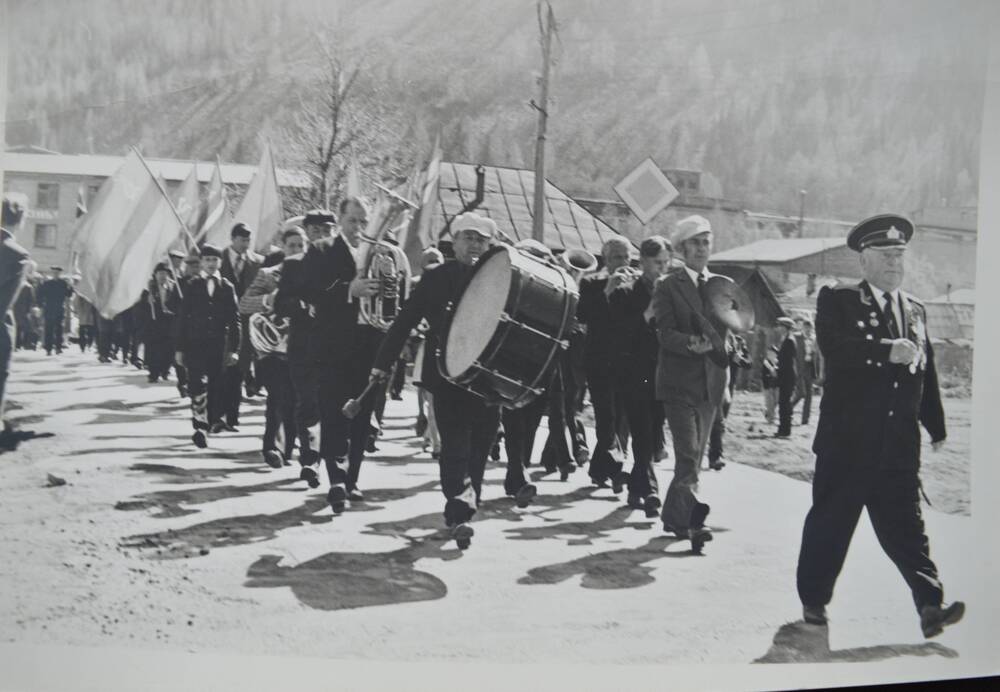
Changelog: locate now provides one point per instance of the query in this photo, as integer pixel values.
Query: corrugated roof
(508, 199)
(103, 166)
(777, 250)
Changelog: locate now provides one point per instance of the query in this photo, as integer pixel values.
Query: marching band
(507, 333)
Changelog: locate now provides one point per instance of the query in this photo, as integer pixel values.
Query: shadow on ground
(172, 503)
(799, 642)
(338, 581)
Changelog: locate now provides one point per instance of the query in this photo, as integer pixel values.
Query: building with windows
(54, 184)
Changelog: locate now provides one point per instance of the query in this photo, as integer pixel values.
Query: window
(45, 235)
(48, 195)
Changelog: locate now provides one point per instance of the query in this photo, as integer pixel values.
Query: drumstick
(353, 406)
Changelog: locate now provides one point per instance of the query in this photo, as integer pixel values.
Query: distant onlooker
(769, 382)
(788, 377)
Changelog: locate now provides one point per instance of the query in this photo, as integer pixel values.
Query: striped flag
(429, 195)
(188, 205)
(261, 208)
(116, 258)
(215, 221)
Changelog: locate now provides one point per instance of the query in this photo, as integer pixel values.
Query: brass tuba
(386, 262)
(578, 263)
(268, 334)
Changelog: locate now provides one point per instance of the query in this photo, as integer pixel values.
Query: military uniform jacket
(634, 345)
(682, 375)
(204, 319)
(871, 410)
(788, 364)
(437, 288)
(314, 294)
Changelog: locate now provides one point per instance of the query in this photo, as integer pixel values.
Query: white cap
(689, 227)
(470, 221)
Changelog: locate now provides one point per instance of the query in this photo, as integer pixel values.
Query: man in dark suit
(739, 359)
(239, 266)
(329, 348)
(691, 375)
(207, 337)
(192, 270)
(158, 323)
(880, 386)
(592, 310)
(22, 309)
(14, 267)
(52, 295)
(788, 376)
(809, 367)
(467, 423)
(635, 369)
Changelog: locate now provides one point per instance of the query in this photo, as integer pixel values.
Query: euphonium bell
(388, 264)
(578, 262)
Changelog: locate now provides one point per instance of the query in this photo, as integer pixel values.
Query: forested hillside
(866, 105)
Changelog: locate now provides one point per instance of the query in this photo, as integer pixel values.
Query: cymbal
(729, 304)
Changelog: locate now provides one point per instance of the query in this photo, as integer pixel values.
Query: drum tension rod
(499, 376)
(504, 317)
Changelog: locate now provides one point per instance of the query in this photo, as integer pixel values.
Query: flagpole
(176, 215)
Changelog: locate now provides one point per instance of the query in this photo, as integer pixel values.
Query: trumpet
(623, 276)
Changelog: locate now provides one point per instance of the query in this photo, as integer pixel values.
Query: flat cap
(55, 268)
(319, 217)
(471, 221)
(240, 230)
(208, 250)
(689, 227)
(882, 230)
(176, 254)
(192, 259)
(161, 267)
(786, 322)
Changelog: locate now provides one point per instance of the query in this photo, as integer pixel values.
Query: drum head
(477, 313)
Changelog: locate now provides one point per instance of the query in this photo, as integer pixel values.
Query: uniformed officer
(52, 295)
(788, 376)
(880, 385)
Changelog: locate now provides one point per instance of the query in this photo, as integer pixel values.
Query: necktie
(239, 265)
(890, 316)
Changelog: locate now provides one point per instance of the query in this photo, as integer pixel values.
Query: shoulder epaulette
(845, 286)
(913, 299)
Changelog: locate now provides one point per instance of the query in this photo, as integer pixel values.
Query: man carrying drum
(467, 424)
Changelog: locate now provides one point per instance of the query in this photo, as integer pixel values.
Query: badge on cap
(893, 233)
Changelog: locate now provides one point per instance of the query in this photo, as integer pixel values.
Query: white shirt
(694, 275)
(211, 284)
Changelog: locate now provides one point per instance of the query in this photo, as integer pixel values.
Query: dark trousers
(205, 385)
(279, 412)
(53, 332)
(715, 438)
(892, 497)
(398, 379)
(85, 337)
(645, 415)
(520, 426)
(105, 338)
(468, 428)
(690, 426)
(806, 395)
(232, 393)
(8, 338)
(159, 353)
(785, 394)
(606, 461)
(21, 339)
(562, 419)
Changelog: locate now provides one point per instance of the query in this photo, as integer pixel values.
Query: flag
(261, 208)
(353, 187)
(187, 203)
(129, 230)
(428, 196)
(215, 220)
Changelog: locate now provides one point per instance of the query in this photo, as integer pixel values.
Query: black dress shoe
(274, 458)
(355, 495)
(814, 615)
(229, 427)
(634, 502)
(370, 445)
(716, 464)
(619, 482)
(199, 439)
(217, 427)
(525, 495)
(651, 505)
(934, 618)
(309, 475)
(462, 533)
(699, 537)
(337, 498)
(565, 471)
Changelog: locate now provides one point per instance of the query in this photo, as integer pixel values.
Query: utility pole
(546, 28)
(4, 41)
(802, 209)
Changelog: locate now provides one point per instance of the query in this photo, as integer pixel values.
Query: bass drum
(508, 325)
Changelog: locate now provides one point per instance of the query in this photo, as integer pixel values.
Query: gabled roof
(820, 256)
(508, 199)
(103, 166)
